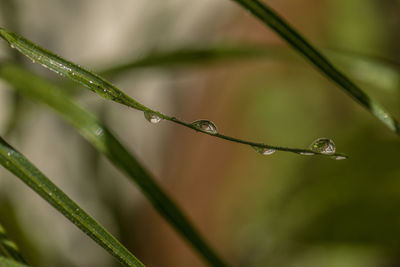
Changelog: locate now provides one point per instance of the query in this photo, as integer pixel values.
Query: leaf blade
(104, 141)
(294, 39)
(17, 164)
(9, 252)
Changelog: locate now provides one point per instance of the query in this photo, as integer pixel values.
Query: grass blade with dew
(299, 43)
(17, 164)
(108, 91)
(9, 252)
(39, 89)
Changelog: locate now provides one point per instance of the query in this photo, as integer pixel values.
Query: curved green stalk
(9, 252)
(108, 91)
(275, 22)
(105, 142)
(16, 163)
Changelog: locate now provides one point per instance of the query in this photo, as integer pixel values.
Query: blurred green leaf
(195, 56)
(275, 22)
(365, 68)
(104, 141)
(16, 163)
(9, 253)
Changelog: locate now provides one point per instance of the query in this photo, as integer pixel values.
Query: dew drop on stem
(205, 126)
(339, 157)
(151, 117)
(323, 146)
(264, 150)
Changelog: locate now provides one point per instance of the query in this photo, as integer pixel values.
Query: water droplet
(12, 46)
(205, 126)
(323, 146)
(339, 157)
(306, 153)
(9, 154)
(99, 131)
(264, 150)
(151, 117)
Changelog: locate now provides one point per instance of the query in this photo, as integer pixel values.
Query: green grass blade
(9, 252)
(16, 163)
(364, 68)
(109, 91)
(280, 26)
(186, 56)
(39, 89)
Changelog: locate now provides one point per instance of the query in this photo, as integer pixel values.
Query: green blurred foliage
(279, 210)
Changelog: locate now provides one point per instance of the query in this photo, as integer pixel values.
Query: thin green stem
(108, 91)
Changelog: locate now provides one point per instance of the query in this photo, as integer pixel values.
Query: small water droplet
(151, 117)
(339, 157)
(9, 154)
(90, 82)
(323, 146)
(99, 131)
(12, 46)
(104, 90)
(264, 150)
(306, 153)
(205, 126)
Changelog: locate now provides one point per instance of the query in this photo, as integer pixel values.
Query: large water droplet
(323, 146)
(151, 117)
(264, 150)
(205, 126)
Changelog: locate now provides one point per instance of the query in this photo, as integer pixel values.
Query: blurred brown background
(278, 210)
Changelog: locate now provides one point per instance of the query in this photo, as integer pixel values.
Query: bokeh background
(278, 210)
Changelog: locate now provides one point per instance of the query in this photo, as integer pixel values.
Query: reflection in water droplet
(151, 117)
(264, 150)
(205, 126)
(323, 146)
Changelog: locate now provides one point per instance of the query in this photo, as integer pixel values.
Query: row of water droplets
(201, 125)
(319, 146)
